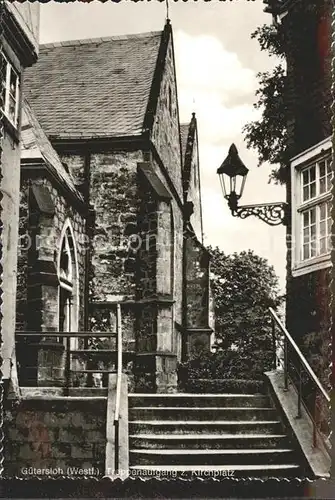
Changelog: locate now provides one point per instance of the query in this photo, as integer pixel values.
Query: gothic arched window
(68, 280)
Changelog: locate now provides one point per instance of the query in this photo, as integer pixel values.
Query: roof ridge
(87, 41)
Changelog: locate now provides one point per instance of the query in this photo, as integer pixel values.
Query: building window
(311, 208)
(10, 91)
(68, 279)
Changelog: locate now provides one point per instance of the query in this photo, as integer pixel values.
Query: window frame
(299, 163)
(5, 109)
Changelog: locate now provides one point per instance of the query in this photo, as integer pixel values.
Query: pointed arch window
(68, 280)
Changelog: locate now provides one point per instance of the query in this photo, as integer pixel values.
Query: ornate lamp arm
(273, 214)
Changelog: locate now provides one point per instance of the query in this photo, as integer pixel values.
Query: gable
(165, 133)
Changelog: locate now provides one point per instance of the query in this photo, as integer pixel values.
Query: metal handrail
(118, 386)
(301, 356)
(289, 340)
(31, 333)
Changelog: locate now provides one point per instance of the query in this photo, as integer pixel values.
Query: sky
(216, 65)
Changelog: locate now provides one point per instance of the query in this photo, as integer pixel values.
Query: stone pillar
(156, 364)
(51, 355)
(198, 341)
(156, 372)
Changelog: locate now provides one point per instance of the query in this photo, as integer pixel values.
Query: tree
(244, 287)
(268, 135)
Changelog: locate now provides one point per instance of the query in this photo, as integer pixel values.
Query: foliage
(268, 135)
(224, 365)
(244, 287)
(217, 385)
(270, 38)
(316, 347)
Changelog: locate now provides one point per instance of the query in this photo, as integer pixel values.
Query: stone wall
(76, 166)
(147, 244)
(61, 435)
(38, 286)
(197, 284)
(113, 193)
(165, 133)
(178, 230)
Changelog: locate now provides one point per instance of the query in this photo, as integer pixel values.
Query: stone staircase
(188, 435)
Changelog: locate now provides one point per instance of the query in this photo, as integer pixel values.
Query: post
(299, 394)
(274, 344)
(119, 337)
(285, 364)
(117, 445)
(118, 385)
(68, 366)
(68, 352)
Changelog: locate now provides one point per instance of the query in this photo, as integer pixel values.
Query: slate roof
(35, 145)
(93, 88)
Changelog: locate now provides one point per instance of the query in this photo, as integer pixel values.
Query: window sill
(312, 265)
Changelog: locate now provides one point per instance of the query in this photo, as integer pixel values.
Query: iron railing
(118, 387)
(296, 370)
(50, 340)
(36, 341)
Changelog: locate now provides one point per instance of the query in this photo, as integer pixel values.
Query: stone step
(199, 400)
(33, 392)
(204, 426)
(201, 413)
(88, 391)
(264, 470)
(223, 385)
(207, 441)
(211, 457)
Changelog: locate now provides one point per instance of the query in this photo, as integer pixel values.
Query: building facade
(306, 30)
(111, 180)
(19, 42)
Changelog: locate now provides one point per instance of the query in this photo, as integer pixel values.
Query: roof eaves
(42, 164)
(92, 135)
(88, 41)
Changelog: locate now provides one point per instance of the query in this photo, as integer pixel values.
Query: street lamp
(233, 174)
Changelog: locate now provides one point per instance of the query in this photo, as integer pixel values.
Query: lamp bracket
(273, 214)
